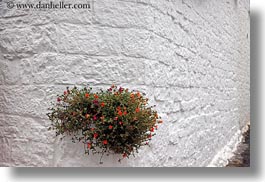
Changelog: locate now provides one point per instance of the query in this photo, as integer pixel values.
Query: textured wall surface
(190, 57)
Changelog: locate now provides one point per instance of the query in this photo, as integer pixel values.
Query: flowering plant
(112, 121)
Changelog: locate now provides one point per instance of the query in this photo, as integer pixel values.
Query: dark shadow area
(241, 156)
(162, 173)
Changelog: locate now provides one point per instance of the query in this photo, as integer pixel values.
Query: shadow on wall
(253, 172)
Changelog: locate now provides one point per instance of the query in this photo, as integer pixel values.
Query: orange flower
(132, 95)
(86, 95)
(137, 109)
(102, 117)
(110, 127)
(95, 96)
(105, 142)
(87, 116)
(160, 121)
(120, 113)
(112, 86)
(102, 104)
(89, 145)
(138, 94)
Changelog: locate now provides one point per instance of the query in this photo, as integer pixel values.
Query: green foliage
(112, 121)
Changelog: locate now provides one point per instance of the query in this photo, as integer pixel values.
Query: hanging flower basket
(114, 121)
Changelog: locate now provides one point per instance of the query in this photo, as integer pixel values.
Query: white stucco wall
(190, 57)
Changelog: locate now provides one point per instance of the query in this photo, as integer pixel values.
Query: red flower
(121, 89)
(95, 102)
(124, 155)
(95, 135)
(58, 99)
(125, 113)
(110, 89)
(120, 123)
(95, 96)
(86, 95)
(150, 136)
(102, 104)
(89, 145)
(65, 92)
(120, 113)
(137, 109)
(110, 127)
(152, 129)
(94, 118)
(116, 118)
(105, 142)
